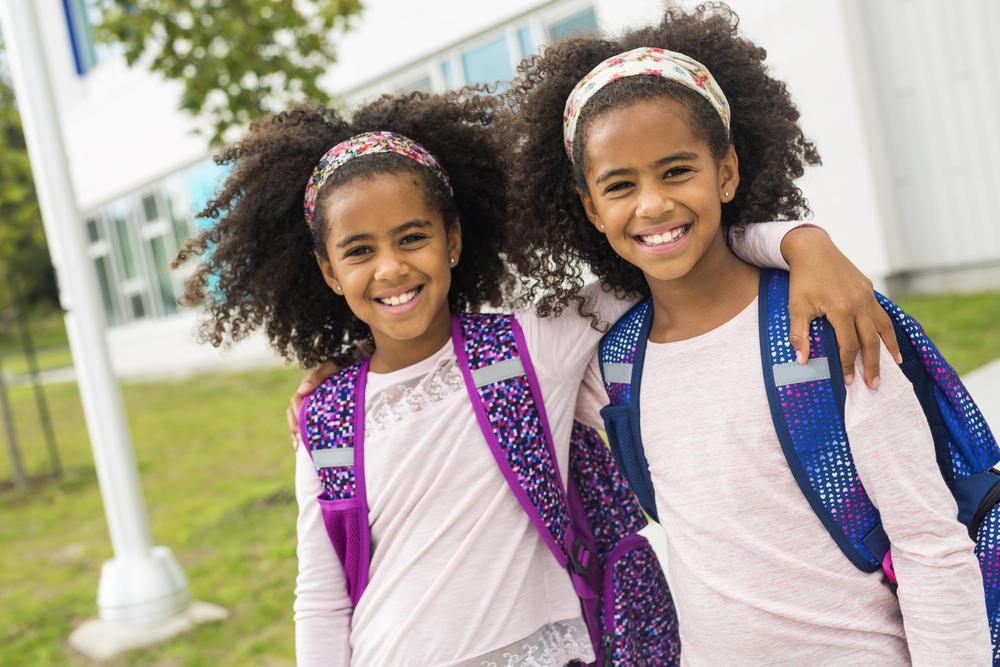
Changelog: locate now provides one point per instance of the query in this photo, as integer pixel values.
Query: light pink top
(756, 577)
(459, 576)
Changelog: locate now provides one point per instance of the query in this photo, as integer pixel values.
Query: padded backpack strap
(331, 422)
(807, 407)
(621, 355)
(508, 404)
(971, 447)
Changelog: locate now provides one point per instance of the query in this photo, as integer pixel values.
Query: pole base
(142, 590)
(100, 639)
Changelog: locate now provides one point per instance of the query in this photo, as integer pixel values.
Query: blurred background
(899, 96)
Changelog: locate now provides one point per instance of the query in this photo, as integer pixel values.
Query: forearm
(323, 610)
(770, 244)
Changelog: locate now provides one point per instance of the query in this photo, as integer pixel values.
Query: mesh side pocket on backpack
(346, 524)
(640, 624)
(988, 552)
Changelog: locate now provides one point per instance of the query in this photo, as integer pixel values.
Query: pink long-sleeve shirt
(459, 576)
(756, 578)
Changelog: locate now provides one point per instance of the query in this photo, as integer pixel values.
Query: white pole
(141, 585)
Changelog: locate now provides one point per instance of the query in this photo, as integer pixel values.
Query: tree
(237, 59)
(23, 251)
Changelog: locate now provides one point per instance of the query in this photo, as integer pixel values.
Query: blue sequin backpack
(590, 526)
(807, 408)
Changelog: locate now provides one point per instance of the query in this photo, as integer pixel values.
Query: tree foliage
(236, 59)
(23, 251)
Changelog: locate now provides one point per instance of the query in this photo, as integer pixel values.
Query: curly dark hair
(258, 267)
(557, 245)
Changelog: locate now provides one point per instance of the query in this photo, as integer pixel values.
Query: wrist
(798, 244)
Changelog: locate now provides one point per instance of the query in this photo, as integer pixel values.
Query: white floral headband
(644, 60)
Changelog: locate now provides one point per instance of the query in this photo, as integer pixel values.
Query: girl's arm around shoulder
(564, 344)
(323, 609)
(940, 584)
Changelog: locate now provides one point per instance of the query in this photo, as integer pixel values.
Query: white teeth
(400, 299)
(660, 239)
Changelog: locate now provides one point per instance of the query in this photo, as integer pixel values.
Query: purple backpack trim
(332, 418)
(589, 528)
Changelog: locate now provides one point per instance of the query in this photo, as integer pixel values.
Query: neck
(716, 289)
(392, 354)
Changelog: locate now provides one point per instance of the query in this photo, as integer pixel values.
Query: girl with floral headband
(635, 161)
(374, 233)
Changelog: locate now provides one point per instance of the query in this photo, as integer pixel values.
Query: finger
(798, 334)
(871, 350)
(883, 324)
(293, 426)
(847, 340)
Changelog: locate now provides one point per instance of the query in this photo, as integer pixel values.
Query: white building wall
(875, 189)
(929, 73)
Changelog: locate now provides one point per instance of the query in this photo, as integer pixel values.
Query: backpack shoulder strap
(507, 400)
(331, 422)
(621, 354)
(971, 447)
(807, 408)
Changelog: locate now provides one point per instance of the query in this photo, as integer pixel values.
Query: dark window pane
(92, 232)
(149, 208)
(138, 308)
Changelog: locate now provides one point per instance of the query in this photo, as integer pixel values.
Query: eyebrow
(681, 156)
(406, 226)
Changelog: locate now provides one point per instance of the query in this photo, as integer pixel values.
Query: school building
(896, 94)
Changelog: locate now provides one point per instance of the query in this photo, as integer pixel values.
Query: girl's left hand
(825, 283)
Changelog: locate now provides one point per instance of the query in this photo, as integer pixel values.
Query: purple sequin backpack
(589, 525)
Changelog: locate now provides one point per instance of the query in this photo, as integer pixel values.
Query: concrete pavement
(984, 385)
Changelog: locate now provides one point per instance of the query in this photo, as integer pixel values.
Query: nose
(391, 265)
(654, 202)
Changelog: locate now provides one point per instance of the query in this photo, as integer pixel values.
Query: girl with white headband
(332, 234)
(637, 156)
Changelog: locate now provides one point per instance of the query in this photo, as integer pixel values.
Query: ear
(590, 210)
(454, 238)
(729, 176)
(328, 275)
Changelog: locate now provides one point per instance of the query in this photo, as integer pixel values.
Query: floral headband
(368, 143)
(644, 60)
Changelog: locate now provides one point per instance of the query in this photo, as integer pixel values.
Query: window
(81, 37)
(448, 73)
(578, 24)
(524, 41)
(488, 63)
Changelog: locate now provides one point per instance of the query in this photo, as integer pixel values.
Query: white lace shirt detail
(396, 403)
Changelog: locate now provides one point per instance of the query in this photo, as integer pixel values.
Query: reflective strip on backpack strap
(333, 457)
(498, 372)
(794, 373)
(617, 373)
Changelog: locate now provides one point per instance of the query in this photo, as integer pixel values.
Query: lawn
(216, 468)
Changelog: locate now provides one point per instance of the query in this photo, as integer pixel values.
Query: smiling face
(655, 189)
(389, 254)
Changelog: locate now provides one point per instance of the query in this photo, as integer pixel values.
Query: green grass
(15, 362)
(216, 468)
(965, 327)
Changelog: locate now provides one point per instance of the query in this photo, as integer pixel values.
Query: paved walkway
(984, 385)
